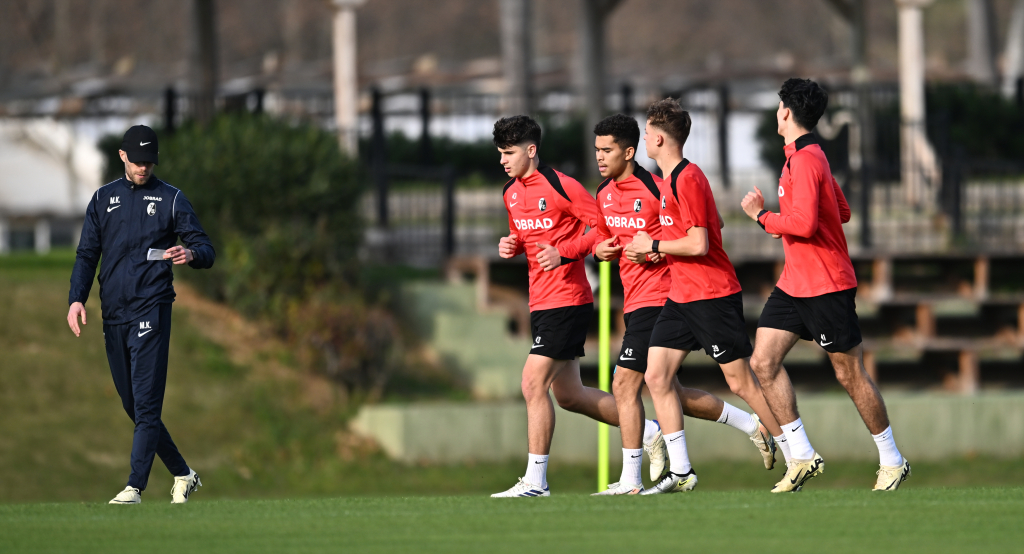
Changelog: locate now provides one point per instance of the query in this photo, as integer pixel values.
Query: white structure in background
(47, 174)
(346, 77)
(1014, 55)
(920, 166)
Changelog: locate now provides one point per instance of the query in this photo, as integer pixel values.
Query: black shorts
(559, 333)
(639, 326)
(829, 320)
(715, 326)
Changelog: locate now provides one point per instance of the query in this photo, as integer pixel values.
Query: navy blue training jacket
(123, 221)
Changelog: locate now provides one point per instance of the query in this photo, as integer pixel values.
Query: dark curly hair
(622, 128)
(806, 99)
(670, 117)
(516, 130)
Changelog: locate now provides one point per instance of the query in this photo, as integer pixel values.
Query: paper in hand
(155, 254)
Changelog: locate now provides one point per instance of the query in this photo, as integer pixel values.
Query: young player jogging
(815, 298)
(704, 308)
(547, 214)
(630, 200)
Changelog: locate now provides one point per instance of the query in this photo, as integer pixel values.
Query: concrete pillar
(1013, 68)
(981, 45)
(42, 236)
(346, 76)
(517, 56)
(920, 174)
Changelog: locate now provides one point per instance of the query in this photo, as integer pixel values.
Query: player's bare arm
(695, 243)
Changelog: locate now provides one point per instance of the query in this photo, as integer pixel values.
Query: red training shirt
(549, 207)
(686, 201)
(626, 207)
(812, 212)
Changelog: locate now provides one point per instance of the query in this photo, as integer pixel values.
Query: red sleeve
(803, 184)
(692, 203)
(584, 208)
(844, 207)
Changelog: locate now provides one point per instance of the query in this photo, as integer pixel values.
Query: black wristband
(654, 246)
(758, 218)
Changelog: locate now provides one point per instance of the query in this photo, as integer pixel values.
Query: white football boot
(673, 482)
(617, 489)
(890, 477)
(130, 495)
(657, 454)
(765, 443)
(523, 489)
(184, 486)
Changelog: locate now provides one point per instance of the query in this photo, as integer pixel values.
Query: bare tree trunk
(981, 44)
(591, 62)
(62, 35)
(97, 34)
(517, 56)
(204, 59)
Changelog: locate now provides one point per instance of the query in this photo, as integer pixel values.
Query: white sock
(537, 470)
(783, 444)
(679, 459)
(651, 428)
(737, 418)
(631, 462)
(799, 444)
(888, 455)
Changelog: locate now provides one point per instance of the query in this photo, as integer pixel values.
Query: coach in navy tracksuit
(124, 220)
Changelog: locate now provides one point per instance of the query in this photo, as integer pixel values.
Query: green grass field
(922, 520)
(283, 474)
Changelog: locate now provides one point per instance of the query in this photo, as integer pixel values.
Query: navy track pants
(137, 354)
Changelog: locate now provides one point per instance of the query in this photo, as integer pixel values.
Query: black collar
(675, 175)
(806, 140)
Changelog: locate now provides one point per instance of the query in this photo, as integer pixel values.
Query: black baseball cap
(140, 144)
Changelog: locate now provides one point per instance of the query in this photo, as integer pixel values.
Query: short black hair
(622, 128)
(806, 99)
(670, 117)
(516, 130)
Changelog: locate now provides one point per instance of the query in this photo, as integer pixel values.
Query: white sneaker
(673, 482)
(657, 453)
(523, 489)
(184, 486)
(616, 489)
(130, 495)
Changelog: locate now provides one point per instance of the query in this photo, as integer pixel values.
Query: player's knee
(761, 366)
(741, 387)
(567, 402)
(658, 382)
(533, 388)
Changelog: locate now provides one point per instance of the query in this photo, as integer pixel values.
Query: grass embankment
(246, 419)
(923, 520)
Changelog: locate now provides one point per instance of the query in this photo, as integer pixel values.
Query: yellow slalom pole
(604, 326)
